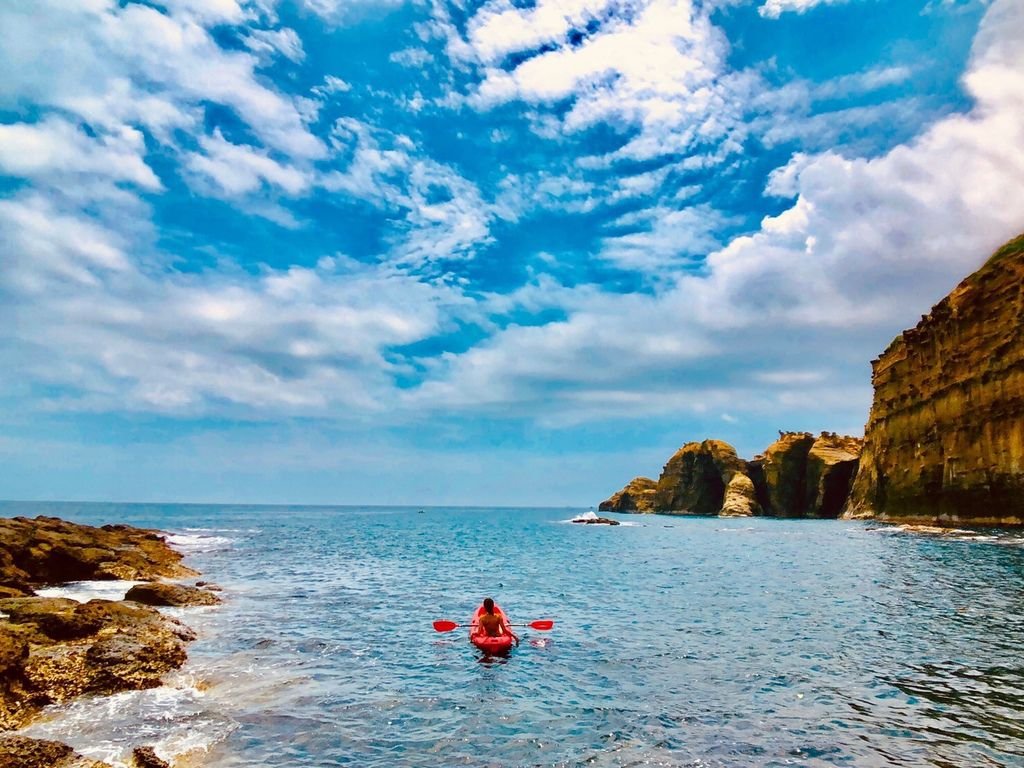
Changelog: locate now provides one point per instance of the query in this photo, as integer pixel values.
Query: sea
(677, 641)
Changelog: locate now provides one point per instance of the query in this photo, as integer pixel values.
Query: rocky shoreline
(55, 649)
(943, 445)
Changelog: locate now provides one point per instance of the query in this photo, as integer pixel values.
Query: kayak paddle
(542, 624)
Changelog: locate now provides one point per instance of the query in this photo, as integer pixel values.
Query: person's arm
(507, 628)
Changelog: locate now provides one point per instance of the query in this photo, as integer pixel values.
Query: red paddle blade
(445, 626)
(542, 624)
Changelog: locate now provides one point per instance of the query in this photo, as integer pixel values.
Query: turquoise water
(677, 642)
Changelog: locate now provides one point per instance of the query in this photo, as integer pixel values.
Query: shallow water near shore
(677, 642)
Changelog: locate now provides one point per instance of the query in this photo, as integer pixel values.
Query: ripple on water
(690, 642)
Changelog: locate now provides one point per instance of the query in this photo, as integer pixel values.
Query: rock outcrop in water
(637, 496)
(47, 550)
(54, 649)
(800, 475)
(944, 442)
(797, 476)
(706, 478)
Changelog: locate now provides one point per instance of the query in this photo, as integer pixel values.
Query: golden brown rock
(637, 496)
(23, 752)
(800, 475)
(695, 479)
(47, 550)
(161, 593)
(944, 441)
(145, 757)
(52, 650)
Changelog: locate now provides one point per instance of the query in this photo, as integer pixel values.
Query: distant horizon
(325, 250)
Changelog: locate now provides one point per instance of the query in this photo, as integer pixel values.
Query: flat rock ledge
(162, 593)
(54, 649)
(597, 521)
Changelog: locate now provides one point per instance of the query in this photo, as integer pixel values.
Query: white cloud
(239, 170)
(270, 42)
(773, 9)
(787, 318)
(56, 147)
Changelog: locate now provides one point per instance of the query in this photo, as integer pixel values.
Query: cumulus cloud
(868, 244)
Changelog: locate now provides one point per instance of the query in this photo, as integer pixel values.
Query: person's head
(488, 605)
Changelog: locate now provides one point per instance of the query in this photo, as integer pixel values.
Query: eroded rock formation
(701, 479)
(799, 475)
(944, 442)
(637, 496)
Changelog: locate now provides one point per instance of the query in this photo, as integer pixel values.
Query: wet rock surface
(47, 550)
(21, 752)
(597, 521)
(145, 757)
(161, 593)
(53, 649)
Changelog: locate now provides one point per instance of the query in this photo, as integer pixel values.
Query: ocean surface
(677, 642)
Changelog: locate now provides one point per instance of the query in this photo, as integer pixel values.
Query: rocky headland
(944, 442)
(799, 475)
(54, 649)
(943, 445)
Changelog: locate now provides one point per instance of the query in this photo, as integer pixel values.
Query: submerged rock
(637, 496)
(944, 442)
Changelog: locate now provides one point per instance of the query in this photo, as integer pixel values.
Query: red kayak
(486, 643)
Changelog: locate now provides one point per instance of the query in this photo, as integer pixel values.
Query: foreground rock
(54, 649)
(637, 496)
(22, 752)
(47, 550)
(162, 593)
(945, 438)
(145, 757)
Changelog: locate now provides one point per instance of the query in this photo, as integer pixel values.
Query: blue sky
(496, 252)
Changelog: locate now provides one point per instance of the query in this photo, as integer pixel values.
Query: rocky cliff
(945, 438)
(799, 475)
(706, 478)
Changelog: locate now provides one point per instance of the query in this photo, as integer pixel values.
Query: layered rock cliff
(945, 438)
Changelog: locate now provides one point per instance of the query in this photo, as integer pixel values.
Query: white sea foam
(84, 591)
(173, 720)
(191, 540)
(591, 515)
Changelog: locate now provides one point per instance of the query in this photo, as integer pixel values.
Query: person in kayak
(493, 624)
